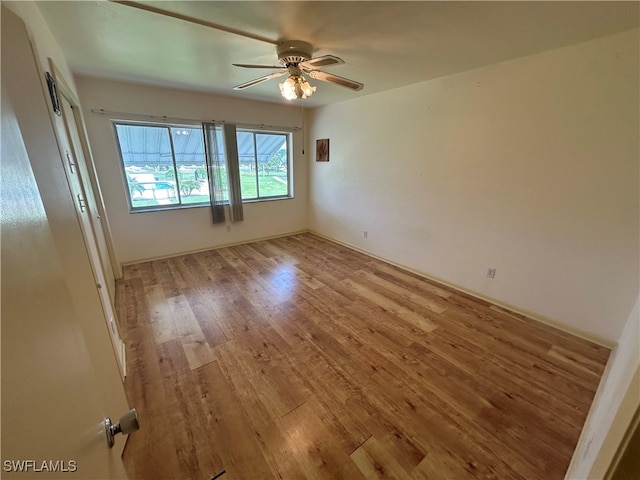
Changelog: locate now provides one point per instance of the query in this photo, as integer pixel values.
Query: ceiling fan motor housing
(294, 52)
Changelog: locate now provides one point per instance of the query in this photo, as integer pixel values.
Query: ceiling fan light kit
(295, 56)
(296, 87)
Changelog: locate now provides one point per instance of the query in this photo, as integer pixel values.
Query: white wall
(148, 235)
(529, 166)
(45, 45)
(616, 402)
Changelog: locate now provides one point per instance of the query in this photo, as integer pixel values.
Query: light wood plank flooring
(300, 358)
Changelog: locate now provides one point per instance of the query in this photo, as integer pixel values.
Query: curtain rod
(164, 118)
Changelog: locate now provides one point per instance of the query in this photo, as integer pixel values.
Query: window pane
(148, 165)
(247, 162)
(188, 147)
(272, 164)
(165, 165)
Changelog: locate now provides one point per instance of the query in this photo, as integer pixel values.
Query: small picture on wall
(322, 150)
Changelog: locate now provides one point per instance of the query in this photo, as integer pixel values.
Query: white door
(59, 374)
(89, 217)
(73, 120)
(52, 411)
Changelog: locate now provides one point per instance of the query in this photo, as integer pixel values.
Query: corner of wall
(613, 407)
(44, 43)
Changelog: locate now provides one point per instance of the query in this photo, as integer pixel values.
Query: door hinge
(81, 203)
(72, 165)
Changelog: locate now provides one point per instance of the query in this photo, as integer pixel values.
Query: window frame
(254, 130)
(123, 171)
(288, 162)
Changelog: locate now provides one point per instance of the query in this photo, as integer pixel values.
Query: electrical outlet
(365, 234)
(491, 272)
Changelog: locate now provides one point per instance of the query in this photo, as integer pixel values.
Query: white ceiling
(385, 45)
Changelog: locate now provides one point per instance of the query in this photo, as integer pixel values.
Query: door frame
(81, 165)
(64, 89)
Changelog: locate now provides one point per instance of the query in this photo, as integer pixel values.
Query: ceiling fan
(295, 59)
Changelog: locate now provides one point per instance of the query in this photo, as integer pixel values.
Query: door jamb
(78, 119)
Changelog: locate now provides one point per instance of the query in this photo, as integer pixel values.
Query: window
(164, 165)
(263, 159)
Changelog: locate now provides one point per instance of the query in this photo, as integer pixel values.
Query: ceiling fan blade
(251, 83)
(343, 82)
(324, 61)
(248, 65)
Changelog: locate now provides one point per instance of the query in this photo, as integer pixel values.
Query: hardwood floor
(300, 358)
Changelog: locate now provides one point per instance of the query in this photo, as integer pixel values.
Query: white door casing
(87, 211)
(75, 128)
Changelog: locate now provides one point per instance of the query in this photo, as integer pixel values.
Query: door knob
(127, 424)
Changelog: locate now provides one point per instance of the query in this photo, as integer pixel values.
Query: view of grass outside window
(263, 164)
(165, 165)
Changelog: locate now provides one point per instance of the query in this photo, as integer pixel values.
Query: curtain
(221, 155)
(214, 156)
(233, 171)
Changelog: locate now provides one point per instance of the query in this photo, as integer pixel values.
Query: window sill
(200, 205)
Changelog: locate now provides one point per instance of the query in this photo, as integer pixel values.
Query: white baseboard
(499, 303)
(213, 247)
